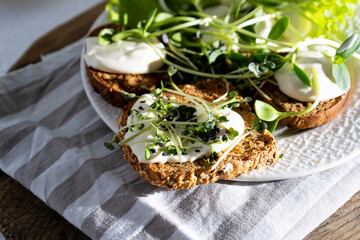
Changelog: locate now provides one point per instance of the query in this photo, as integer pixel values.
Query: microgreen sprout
(177, 127)
(182, 33)
(268, 113)
(339, 69)
(257, 125)
(198, 45)
(128, 96)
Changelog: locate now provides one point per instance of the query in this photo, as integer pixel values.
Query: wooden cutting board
(24, 216)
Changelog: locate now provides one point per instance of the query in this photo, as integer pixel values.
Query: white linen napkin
(52, 143)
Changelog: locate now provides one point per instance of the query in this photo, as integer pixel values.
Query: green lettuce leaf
(333, 18)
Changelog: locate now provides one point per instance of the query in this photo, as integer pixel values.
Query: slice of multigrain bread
(252, 152)
(324, 112)
(110, 85)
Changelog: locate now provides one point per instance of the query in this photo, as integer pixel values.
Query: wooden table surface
(24, 216)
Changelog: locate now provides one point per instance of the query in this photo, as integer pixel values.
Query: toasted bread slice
(324, 112)
(110, 85)
(252, 152)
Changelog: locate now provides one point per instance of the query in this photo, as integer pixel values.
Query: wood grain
(343, 224)
(24, 216)
(59, 37)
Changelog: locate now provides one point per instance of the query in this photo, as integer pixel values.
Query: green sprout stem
(176, 28)
(176, 145)
(140, 132)
(262, 93)
(282, 44)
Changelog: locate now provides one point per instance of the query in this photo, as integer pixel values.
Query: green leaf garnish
(279, 28)
(259, 125)
(268, 113)
(123, 35)
(162, 16)
(171, 71)
(109, 146)
(150, 19)
(341, 75)
(147, 153)
(215, 55)
(347, 49)
(128, 96)
(233, 94)
(254, 68)
(223, 119)
(105, 35)
(301, 74)
(136, 10)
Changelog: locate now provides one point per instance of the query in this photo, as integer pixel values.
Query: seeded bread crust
(110, 85)
(324, 112)
(252, 152)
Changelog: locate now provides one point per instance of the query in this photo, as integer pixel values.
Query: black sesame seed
(164, 154)
(141, 108)
(142, 101)
(152, 150)
(197, 150)
(161, 144)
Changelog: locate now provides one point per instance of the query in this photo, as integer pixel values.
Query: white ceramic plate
(304, 152)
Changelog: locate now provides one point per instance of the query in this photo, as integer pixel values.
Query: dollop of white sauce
(132, 56)
(235, 121)
(308, 58)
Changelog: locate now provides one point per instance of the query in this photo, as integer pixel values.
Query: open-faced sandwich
(193, 134)
(178, 69)
(130, 66)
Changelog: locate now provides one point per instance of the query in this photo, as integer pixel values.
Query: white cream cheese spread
(308, 58)
(196, 150)
(132, 56)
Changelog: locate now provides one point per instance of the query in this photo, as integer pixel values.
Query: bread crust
(110, 85)
(252, 152)
(324, 112)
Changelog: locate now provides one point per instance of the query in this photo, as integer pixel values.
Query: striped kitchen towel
(52, 143)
